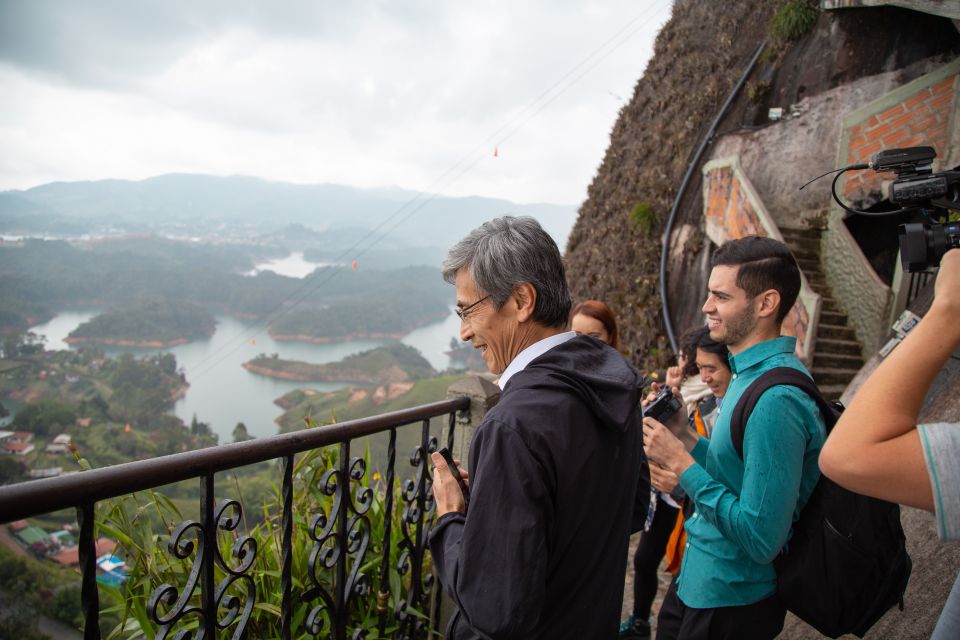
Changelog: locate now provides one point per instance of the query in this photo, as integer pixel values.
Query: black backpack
(847, 562)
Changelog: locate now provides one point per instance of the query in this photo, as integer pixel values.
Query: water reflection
(223, 393)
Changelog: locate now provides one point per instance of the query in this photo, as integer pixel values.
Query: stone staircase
(837, 356)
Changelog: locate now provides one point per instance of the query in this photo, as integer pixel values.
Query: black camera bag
(847, 562)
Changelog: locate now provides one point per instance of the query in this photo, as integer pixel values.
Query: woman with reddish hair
(595, 318)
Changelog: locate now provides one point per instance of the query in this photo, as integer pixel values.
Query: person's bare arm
(874, 448)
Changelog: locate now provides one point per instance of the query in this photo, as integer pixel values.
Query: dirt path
(628, 586)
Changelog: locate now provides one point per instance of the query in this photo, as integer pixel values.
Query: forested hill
(381, 365)
(153, 323)
(40, 277)
(198, 204)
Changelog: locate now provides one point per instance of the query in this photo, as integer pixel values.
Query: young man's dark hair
(764, 264)
(708, 344)
(689, 342)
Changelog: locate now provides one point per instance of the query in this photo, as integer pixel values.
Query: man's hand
(674, 377)
(663, 448)
(679, 423)
(446, 491)
(663, 480)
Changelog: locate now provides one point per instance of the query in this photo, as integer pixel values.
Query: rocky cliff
(842, 60)
(614, 249)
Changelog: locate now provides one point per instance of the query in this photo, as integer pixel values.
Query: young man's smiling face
(495, 332)
(713, 372)
(731, 314)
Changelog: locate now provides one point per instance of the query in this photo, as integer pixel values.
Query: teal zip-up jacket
(744, 509)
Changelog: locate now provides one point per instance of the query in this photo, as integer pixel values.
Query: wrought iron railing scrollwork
(418, 510)
(169, 606)
(215, 558)
(341, 539)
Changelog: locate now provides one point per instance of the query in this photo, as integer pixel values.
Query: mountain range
(244, 207)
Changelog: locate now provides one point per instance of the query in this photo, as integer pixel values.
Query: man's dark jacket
(554, 469)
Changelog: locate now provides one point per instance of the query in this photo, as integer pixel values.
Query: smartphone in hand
(455, 472)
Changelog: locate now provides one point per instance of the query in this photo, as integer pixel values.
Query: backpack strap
(771, 378)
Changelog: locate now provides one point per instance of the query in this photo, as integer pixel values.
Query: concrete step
(833, 376)
(806, 244)
(805, 232)
(826, 360)
(835, 332)
(833, 345)
(829, 304)
(832, 391)
(815, 278)
(832, 317)
(809, 265)
(801, 252)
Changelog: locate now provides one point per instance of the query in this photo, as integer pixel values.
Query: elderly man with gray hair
(554, 466)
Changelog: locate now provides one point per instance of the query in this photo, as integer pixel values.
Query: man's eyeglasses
(462, 313)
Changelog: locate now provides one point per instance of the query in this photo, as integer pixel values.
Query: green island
(147, 323)
(41, 277)
(382, 365)
(310, 406)
(392, 314)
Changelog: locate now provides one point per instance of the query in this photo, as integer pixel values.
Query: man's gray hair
(507, 251)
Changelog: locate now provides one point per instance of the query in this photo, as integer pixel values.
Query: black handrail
(35, 497)
(340, 535)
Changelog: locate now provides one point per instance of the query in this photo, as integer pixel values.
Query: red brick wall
(920, 120)
(731, 214)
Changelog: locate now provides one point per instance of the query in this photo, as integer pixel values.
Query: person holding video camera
(705, 359)
(540, 551)
(744, 508)
(878, 449)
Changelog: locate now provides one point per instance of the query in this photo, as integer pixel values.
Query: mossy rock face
(794, 20)
(613, 253)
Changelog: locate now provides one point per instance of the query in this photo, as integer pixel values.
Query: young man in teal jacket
(744, 507)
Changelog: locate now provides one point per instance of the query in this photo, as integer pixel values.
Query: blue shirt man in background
(744, 508)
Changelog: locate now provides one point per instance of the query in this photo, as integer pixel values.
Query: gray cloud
(366, 92)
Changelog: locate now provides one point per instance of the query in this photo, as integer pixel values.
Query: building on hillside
(64, 538)
(22, 436)
(17, 448)
(30, 535)
(47, 472)
(70, 557)
(60, 444)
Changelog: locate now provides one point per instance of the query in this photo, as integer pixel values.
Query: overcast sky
(411, 93)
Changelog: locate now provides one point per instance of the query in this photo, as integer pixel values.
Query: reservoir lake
(223, 393)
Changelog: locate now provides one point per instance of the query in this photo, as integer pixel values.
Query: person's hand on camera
(446, 491)
(663, 448)
(679, 423)
(663, 480)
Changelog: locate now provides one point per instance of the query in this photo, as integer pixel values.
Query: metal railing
(340, 536)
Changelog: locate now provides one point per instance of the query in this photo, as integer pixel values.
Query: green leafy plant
(757, 91)
(794, 20)
(642, 217)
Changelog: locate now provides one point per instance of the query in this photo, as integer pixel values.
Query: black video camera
(663, 407)
(916, 187)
